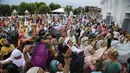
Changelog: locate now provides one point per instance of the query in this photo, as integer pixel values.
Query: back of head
(113, 68)
(11, 68)
(35, 70)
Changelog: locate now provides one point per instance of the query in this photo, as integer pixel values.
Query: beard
(7, 45)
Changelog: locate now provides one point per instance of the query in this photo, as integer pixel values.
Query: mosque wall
(119, 9)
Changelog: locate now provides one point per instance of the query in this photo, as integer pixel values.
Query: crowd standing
(60, 44)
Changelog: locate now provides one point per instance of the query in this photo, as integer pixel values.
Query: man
(6, 48)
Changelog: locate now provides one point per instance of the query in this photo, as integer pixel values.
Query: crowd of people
(60, 44)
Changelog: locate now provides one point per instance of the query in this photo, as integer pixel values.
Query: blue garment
(97, 72)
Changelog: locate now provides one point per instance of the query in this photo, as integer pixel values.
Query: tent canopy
(26, 12)
(14, 11)
(60, 10)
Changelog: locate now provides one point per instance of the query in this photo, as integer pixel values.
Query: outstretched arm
(67, 60)
(26, 57)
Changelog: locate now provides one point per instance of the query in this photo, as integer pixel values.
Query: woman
(57, 67)
(35, 70)
(62, 48)
(100, 39)
(16, 58)
(71, 36)
(111, 65)
(101, 50)
(84, 42)
(6, 48)
(90, 61)
(69, 43)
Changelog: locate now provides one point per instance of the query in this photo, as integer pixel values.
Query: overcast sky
(75, 3)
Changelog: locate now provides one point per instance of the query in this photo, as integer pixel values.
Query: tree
(5, 10)
(31, 7)
(57, 6)
(14, 7)
(43, 9)
(22, 7)
(82, 10)
(68, 8)
(54, 6)
(77, 11)
(40, 3)
(86, 9)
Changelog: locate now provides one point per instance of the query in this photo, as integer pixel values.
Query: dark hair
(109, 42)
(11, 68)
(128, 60)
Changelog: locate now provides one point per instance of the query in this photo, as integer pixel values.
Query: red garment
(69, 21)
(1, 25)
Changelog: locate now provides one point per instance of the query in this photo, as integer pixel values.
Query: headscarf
(84, 41)
(89, 58)
(111, 51)
(99, 43)
(114, 43)
(18, 62)
(73, 48)
(121, 37)
(33, 70)
(113, 68)
(16, 53)
(1, 41)
(53, 66)
(87, 49)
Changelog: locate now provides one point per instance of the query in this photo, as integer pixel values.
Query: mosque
(118, 11)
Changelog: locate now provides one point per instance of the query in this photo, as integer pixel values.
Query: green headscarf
(53, 66)
(113, 68)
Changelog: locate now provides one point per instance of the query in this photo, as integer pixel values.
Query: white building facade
(119, 10)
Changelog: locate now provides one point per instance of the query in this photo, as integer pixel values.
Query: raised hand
(67, 56)
(27, 48)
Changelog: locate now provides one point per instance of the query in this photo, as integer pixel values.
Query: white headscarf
(114, 44)
(33, 70)
(73, 48)
(84, 41)
(16, 53)
(87, 49)
(99, 43)
(19, 62)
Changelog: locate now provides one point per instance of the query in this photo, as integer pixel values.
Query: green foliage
(43, 9)
(54, 6)
(39, 4)
(68, 8)
(5, 10)
(22, 7)
(77, 11)
(31, 7)
(86, 9)
(14, 7)
(39, 7)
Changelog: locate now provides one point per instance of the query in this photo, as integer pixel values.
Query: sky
(74, 3)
